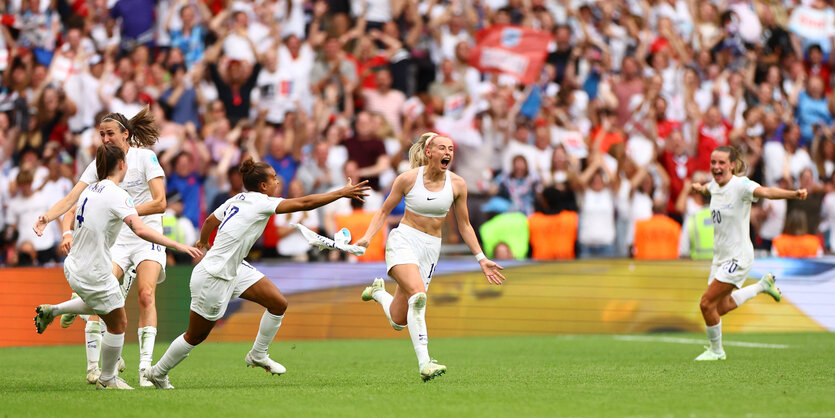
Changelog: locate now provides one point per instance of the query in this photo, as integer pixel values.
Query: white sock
(92, 338)
(384, 299)
(747, 293)
(111, 350)
(84, 317)
(266, 332)
(415, 318)
(177, 352)
(76, 306)
(147, 337)
(714, 334)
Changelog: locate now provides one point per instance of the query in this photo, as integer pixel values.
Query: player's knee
(146, 298)
(706, 304)
(195, 338)
(278, 306)
(118, 326)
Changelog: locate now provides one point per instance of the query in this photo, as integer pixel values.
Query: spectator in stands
(559, 184)
(180, 100)
(368, 151)
(24, 210)
(519, 186)
(385, 100)
(235, 79)
(188, 182)
(796, 241)
(598, 184)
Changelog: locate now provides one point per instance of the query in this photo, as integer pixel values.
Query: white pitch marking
(678, 340)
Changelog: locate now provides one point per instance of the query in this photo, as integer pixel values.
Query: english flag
(509, 49)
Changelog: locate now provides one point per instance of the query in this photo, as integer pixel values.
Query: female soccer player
(223, 274)
(733, 254)
(413, 247)
(104, 206)
(145, 185)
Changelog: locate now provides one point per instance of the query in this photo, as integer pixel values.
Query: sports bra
(427, 203)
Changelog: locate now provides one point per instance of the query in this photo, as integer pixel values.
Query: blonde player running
(223, 274)
(144, 182)
(413, 247)
(104, 206)
(733, 254)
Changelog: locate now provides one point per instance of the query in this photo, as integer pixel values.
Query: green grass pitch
(487, 377)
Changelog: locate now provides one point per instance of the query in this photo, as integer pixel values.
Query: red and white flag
(513, 50)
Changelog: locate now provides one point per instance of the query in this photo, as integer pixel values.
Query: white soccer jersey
(242, 220)
(143, 166)
(730, 208)
(100, 213)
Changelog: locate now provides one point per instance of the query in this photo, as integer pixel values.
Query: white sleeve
(89, 176)
(151, 165)
(220, 212)
(121, 204)
(748, 186)
(270, 205)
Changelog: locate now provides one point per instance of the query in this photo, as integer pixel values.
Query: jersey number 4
(80, 216)
(228, 215)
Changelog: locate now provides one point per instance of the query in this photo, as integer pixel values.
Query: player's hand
(701, 188)
(363, 242)
(194, 252)
(356, 191)
(801, 194)
(491, 271)
(65, 245)
(40, 225)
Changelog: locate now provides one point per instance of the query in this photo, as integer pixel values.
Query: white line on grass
(694, 341)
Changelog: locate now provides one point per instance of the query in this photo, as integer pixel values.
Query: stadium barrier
(574, 297)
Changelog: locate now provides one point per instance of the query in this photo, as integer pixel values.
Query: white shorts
(210, 295)
(407, 245)
(131, 253)
(102, 295)
(734, 271)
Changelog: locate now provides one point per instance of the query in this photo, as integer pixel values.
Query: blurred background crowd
(633, 96)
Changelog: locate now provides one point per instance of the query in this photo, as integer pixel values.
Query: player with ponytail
(223, 274)
(733, 254)
(413, 248)
(132, 256)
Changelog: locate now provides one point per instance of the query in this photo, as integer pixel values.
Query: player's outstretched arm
(459, 205)
(149, 234)
(397, 193)
(774, 193)
(61, 207)
(355, 191)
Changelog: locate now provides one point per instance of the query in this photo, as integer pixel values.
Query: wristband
(480, 256)
(67, 233)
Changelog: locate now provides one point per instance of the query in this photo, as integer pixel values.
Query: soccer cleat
(160, 382)
(121, 365)
(266, 363)
(114, 383)
(68, 318)
(368, 293)
(143, 382)
(431, 370)
(710, 355)
(93, 375)
(43, 318)
(770, 288)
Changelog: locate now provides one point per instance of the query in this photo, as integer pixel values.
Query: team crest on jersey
(154, 159)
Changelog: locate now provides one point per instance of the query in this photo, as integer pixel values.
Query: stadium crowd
(633, 97)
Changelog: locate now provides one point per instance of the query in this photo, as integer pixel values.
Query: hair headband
(114, 120)
(429, 140)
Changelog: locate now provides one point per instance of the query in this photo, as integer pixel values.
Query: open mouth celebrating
(445, 162)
